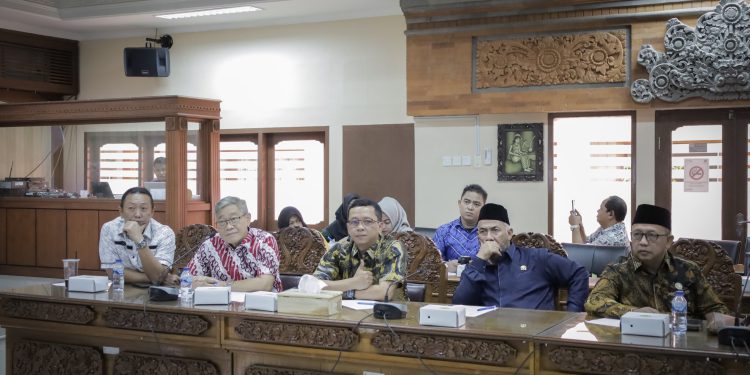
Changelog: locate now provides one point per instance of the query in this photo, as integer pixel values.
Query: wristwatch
(142, 244)
(348, 294)
(574, 226)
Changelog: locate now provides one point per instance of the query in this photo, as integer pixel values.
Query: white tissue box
(265, 301)
(442, 315)
(87, 283)
(97, 296)
(325, 303)
(644, 324)
(212, 295)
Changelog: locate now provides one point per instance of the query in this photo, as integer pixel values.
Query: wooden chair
(187, 242)
(716, 266)
(424, 266)
(300, 250)
(539, 240)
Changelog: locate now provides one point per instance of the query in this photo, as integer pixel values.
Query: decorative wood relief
(300, 250)
(136, 363)
(273, 370)
(337, 338)
(181, 324)
(492, 352)
(715, 264)
(710, 61)
(539, 240)
(424, 262)
(597, 57)
(187, 242)
(592, 361)
(49, 311)
(39, 358)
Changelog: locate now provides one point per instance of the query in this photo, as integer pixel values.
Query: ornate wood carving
(493, 352)
(33, 357)
(49, 311)
(273, 370)
(715, 265)
(137, 363)
(592, 361)
(424, 262)
(181, 324)
(596, 57)
(539, 240)
(300, 250)
(187, 242)
(709, 61)
(337, 338)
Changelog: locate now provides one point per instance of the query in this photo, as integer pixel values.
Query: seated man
(145, 246)
(647, 280)
(504, 275)
(160, 169)
(247, 258)
(611, 231)
(459, 237)
(366, 264)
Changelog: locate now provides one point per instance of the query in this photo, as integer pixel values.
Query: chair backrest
(427, 232)
(423, 266)
(187, 242)
(300, 250)
(538, 240)
(715, 265)
(731, 247)
(604, 255)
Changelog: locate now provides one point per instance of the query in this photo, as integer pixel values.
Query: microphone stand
(740, 334)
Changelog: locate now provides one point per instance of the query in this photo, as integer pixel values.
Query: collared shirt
(523, 278)
(615, 235)
(454, 241)
(386, 259)
(628, 286)
(256, 255)
(114, 244)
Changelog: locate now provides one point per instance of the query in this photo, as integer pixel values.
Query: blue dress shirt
(454, 241)
(523, 278)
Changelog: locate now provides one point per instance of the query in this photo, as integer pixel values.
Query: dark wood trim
(550, 173)
(263, 190)
(177, 170)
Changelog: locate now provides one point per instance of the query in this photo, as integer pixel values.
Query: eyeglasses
(366, 222)
(232, 220)
(650, 236)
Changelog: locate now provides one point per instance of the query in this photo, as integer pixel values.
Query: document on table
(606, 322)
(238, 297)
(358, 304)
(474, 311)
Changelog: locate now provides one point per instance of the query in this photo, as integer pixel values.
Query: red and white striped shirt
(256, 255)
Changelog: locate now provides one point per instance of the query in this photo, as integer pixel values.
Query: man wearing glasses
(243, 257)
(364, 265)
(647, 280)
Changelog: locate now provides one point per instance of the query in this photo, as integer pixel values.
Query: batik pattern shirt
(454, 241)
(615, 235)
(386, 259)
(627, 286)
(256, 255)
(114, 244)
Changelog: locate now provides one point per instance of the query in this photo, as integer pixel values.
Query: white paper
(696, 175)
(474, 311)
(59, 284)
(310, 284)
(237, 297)
(580, 332)
(609, 322)
(358, 304)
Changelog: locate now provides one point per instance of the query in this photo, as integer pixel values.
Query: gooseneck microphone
(736, 334)
(389, 310)
(159, 292)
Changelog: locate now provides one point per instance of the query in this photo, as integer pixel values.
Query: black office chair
(582, 254)
(427, 232)
(595, 257)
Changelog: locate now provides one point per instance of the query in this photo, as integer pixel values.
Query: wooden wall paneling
(379, 161)
(51, 237)
(83, 237)
(176, 171)
(210, 135)
(3, 237)
(21, 250)
(105, 216)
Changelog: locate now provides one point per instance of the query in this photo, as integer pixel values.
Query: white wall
(323, 74)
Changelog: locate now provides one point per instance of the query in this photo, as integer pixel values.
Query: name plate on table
(325, 303)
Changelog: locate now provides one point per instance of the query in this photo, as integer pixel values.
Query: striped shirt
(256, 255)
(454, 241)
(114, 244)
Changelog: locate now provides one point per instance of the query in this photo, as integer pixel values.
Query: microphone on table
(736, 333)
(160, 292)
(390, 310)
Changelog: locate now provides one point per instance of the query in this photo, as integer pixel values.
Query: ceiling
(103, 19)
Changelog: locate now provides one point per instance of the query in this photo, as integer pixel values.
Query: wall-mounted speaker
(146, 62)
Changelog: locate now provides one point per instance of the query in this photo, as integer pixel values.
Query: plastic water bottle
(679, 313)
(186, 284)
(118, 276)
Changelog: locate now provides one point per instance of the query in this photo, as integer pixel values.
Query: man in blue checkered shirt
(459, 237)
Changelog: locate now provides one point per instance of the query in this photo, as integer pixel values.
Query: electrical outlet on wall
(487, 156)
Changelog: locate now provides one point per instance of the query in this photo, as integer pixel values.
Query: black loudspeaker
(146, 62)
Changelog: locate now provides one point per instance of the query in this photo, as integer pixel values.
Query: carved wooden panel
(137, 363)
(594, 57)
(300, 250)
(50, 311)
(273, 370)
(337, 338)
(187, 242)
(424, 262)
(715, 265)
(38, 358)
(539, 240)
(181, 324)
(494, 352)
(592, 361)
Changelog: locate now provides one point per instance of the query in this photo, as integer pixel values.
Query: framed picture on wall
(520, 152)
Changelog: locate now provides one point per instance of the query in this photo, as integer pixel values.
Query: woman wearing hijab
(394, 217)
(291, 217)
(337, 229)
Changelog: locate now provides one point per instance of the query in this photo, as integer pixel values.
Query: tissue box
(265, 301)
(327, 302)
(212, 295)
(644, 324)
(87, 283)
(442, 316)
(97, 296)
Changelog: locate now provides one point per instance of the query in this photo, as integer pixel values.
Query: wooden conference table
(52, 331)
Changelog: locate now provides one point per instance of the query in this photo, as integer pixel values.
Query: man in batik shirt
(611, 231)
(364, 265)
(243, 257)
